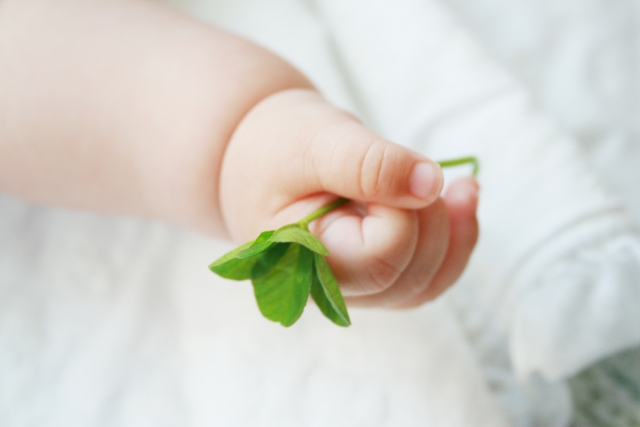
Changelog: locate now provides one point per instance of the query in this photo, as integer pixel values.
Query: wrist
(184, 175)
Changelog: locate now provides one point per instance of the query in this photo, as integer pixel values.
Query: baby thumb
(354, 162)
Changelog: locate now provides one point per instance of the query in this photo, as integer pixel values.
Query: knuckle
(382, 274)
(432, 291)
(418, 286)
(376, 164)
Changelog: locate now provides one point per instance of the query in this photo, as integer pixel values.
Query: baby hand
(399, 244)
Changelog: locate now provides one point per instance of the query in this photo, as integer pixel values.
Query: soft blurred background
(581, 61)
(117, 322)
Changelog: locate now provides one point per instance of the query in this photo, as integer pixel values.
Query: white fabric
(118, 322)
(541, 204)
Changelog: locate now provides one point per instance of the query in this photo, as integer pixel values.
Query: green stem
(461, 161)
(304, 222)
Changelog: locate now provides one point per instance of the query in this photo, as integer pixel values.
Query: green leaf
(283, 292)
(296, 234)
(265, 261)
(233, 265)
(229, 267)
(326, 293)
(261, 244)
(318, 295)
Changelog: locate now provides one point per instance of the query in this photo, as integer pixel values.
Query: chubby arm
(128, 107)
(124, 106)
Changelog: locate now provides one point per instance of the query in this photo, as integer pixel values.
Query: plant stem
(304, 222)
(461, 161)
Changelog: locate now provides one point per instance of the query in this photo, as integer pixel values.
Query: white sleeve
(558, 261)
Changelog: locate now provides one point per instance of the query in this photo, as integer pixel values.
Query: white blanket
(118, 322)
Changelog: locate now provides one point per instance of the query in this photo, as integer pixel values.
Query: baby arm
(125, 106)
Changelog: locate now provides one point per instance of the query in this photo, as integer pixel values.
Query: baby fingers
(461, 200)
(397, 258)
(430, 250)
(369, 252)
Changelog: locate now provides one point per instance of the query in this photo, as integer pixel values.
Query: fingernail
(465, 192)
(426, 179)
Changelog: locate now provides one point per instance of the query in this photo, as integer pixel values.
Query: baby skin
(129, 107)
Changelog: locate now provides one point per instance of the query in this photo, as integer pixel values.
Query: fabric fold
(430, 86)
